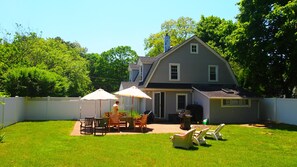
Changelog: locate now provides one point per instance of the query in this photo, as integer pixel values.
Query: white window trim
(197, 49)
(217, 73)
(249, 103)
(141, 73)
(178, 71)
(176, 101)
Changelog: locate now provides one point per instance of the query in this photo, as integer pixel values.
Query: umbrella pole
(100, 108)
(95, 108)
(132, 105)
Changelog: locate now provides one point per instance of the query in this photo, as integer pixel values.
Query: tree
(214, 31)
(264, 44)
(108, 69)
(95, 65)
(178, 30)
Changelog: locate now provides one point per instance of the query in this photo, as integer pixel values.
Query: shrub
(134, 114)
(34, 82)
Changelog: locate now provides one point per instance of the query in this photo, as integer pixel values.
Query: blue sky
(101, 25)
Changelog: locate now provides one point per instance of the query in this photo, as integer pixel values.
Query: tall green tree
(214, 31)
(178, 30)
(108, 69)
(264, 44)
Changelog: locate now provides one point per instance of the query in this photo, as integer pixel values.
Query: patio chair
(123, 121)
(141, 122)
(199, 137)
(114, 120)
(99, 126)
(216, 134)
(86, 125)
(183, 140)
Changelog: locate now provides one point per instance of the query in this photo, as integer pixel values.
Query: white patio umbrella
(132, 92)
(99, 94)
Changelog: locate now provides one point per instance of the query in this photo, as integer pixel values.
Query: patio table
(130, 120)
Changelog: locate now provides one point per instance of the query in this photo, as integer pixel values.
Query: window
(174, 72)
(181, 101)
(236, 103)
(213, 73)
(194, 48)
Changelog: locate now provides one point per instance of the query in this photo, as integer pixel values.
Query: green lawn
(48, 143)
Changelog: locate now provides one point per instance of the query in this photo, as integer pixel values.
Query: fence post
(275, 110)
(2, 104)
(46, 110)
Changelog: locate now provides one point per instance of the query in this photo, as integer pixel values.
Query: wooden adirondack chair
(141, 122)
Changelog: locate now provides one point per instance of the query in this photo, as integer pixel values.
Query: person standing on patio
(115, 108)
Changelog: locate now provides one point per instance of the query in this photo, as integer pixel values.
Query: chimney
(166, 42)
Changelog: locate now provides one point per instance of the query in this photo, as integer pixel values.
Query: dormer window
(194, 48)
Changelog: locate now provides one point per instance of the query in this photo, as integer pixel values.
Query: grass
(48, 143)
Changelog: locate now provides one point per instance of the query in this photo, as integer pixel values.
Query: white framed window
(181, 101)
(174, 72)
(213, 73)
(236, 103)
(194, 48)
(140, 73)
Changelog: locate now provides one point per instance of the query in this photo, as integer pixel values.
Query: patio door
(159, 104)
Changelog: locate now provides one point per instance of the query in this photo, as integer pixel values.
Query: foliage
(214, 31)
(34, 82)
(108, 69)
(265, 147)
(178, 30)
(133, 114)
(27, 49)
(264, 45)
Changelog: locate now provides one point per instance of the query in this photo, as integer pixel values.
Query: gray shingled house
(191, 73)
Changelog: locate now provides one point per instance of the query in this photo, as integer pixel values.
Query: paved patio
(151, 128)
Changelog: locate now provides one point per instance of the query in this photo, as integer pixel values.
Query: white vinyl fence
(279, 110)
(12, 111)
(18, 109)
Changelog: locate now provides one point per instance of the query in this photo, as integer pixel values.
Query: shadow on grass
(276, 126)
(194, 148)
(210, 138)
(203, 145)
(206, 145)
(130, 130)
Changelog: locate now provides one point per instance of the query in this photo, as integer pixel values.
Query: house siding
(193, 67)
(170, 101)
(149, 102)
(220, 114)
(202, 100)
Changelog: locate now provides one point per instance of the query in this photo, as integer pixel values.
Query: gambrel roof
(161, 56)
